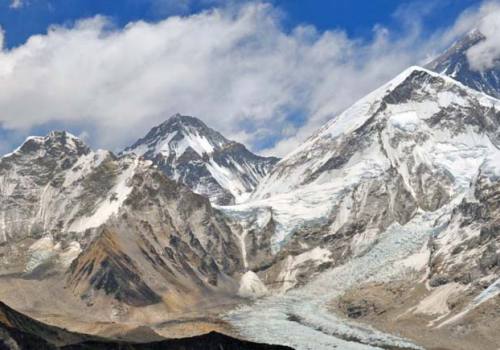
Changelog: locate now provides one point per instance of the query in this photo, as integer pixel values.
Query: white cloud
(486, 54)
(15, 4)
(237, 69)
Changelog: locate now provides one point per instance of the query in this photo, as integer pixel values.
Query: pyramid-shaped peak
(180, 130)
(413, 85)
(416, 79)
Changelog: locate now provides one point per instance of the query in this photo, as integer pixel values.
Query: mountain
(107, 234)
(383, 222)
(454, 63)
(413, 145)
(188, 151)
(399, 188)
(20, 332)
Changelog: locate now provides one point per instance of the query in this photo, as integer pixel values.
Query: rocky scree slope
(188, 151)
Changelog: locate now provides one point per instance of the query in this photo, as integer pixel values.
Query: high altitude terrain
(18, 331)
(186, 150)
(385, 221)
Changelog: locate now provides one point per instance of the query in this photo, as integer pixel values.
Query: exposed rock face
(188, 151)
(184, 246)
(454, 63)
(115, 226)
(468, 251)
(412, 146)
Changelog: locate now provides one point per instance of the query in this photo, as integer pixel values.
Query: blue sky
(264, 73)
(357, 17)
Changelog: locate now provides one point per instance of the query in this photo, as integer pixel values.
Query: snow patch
(419, 260)
(109, 206)
(40, 252)
(491, 166)
(407, 121)
(45, 249)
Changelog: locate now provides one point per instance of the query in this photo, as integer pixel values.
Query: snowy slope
(454, 63)
(411, 146)
(186, 150)
(367, 194)
(56, 183)
(400, 119)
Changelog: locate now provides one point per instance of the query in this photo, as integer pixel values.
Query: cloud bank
(236, 68)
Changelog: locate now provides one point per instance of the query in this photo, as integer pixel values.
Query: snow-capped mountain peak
(79, 214)
(176, 135)
(54, 142)
(187, 150)
(409, 103)
(455, 63)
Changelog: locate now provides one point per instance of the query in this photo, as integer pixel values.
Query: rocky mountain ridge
(104, 226)
(455, 63)
(402, 185)
(409, 168)
(188, 151)
(413, 145)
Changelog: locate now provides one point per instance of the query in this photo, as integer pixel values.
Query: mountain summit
(454, 63)
(399, 187)
(188, 151)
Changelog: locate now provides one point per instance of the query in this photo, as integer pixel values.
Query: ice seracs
(402, 163)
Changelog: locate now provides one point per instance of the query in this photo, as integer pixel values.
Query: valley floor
(401, 307)
(313, 316)
(301, 318)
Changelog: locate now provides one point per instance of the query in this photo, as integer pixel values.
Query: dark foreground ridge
(20, 332)
(210, 341)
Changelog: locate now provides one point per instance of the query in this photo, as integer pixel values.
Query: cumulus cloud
(486, 54)
(237, 69)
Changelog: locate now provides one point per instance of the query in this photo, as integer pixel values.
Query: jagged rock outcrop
(468, 251)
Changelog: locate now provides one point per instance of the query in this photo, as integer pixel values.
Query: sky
(265, 73)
